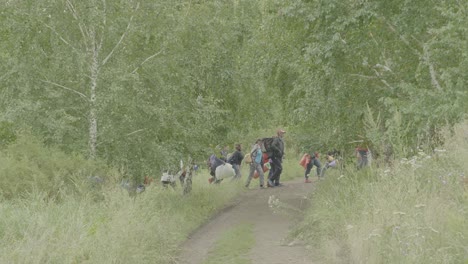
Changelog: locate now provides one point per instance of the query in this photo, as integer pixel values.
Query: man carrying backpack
(277, 154)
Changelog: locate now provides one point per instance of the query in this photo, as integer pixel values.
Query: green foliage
(165, 80)
(388, 138)
(7, 134)
(29, 167)
(171, 78)
(381, 55)
(412, 212)
(147, 228)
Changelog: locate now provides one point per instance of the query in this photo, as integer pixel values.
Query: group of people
(274, 156)
(311, 159)
(258, 157)
(233, 161)
(269, 155)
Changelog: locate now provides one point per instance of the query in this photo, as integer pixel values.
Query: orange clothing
(304, 160)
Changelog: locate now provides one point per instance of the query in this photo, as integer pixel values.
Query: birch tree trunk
(93, 47)
(92, 99)
(188, 177)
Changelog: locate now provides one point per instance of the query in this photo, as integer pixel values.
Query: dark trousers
(276, 169)
(313, 162)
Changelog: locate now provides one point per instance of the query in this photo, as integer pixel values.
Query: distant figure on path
(277, 159)
(257, 163)
(235, 160)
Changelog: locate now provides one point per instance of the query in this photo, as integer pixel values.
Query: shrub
(28, 166)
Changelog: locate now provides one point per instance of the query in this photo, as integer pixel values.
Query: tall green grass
(413, 212)
(146, 228)
(50, 211)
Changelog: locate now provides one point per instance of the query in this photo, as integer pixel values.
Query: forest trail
(270, 227)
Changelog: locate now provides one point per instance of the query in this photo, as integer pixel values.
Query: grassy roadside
(118, 229)
(53, 221)
(413, 212)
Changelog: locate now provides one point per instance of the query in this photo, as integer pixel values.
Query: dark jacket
(236, 158)
(213, 163)
(278, 147)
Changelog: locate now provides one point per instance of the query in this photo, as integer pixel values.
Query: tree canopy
(142, 84)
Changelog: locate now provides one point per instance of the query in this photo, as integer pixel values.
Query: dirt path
(270, 226)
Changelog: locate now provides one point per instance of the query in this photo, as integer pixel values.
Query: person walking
(257, 163)
(235, 160)
(277, 159)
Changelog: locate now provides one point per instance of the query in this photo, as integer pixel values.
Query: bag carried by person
(267, 145)
(248, 158)
(166, 177)
(224, 171)
(304, 160)
(266, 168)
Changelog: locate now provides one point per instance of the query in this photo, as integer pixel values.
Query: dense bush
(27, 166)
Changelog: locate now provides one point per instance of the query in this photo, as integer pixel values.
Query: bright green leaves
(384, 54)
(172, 77)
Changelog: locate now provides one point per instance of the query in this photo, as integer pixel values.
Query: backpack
(248, 158)
(266, 145)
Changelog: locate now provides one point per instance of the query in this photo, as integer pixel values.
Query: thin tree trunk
(92, 103)
(188, 177)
